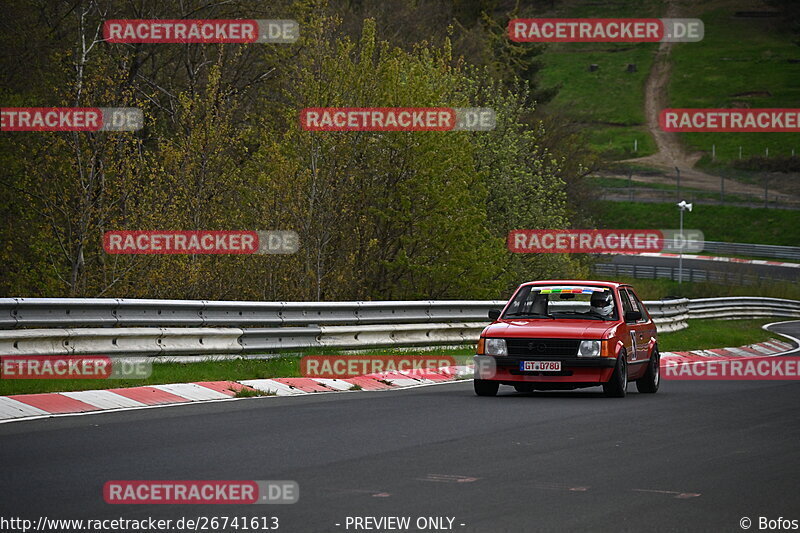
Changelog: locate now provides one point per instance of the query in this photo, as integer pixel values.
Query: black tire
(484, 387)
(617, 386)
(652, 377)
(524, 387)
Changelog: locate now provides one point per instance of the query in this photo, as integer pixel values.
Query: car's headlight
(589, 349)
(496, 347)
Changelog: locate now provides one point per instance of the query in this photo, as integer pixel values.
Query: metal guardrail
(212, 341)
(738, 307)
(669, 315)
(752, 250)
(730, 276)
(110, 312)
(296, 325)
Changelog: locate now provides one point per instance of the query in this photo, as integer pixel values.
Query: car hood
(550, 329)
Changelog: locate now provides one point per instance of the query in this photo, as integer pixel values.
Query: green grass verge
(705, 334)
(718, 223)
(230, 370)
(226, 370)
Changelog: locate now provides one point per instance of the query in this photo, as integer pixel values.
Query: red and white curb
(714, 258)
(31, 406)
(763, 349)
(28, 406)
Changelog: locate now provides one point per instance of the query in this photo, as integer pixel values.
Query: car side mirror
(633, 316)
(494, 314)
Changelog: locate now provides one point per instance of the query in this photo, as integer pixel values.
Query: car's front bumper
(573, 369)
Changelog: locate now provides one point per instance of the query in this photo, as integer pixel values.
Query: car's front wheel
(617, 386)
(652, 377)
(485, 387)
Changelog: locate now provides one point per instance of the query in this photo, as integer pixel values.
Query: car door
(646, 329)
(629, 339)
(638, 331)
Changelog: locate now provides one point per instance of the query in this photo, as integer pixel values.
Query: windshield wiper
(523, 315)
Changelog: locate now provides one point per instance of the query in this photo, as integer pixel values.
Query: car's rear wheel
(617, 386)
(524, 387)
(652, 377)
(485, 387)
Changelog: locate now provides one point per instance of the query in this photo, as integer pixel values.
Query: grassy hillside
(741, 62)
(610, 100)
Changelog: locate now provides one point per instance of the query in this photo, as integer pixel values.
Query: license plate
(540, 366)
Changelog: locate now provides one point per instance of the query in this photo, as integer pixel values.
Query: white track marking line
(190, 391)
(270, 385)
(11, 409)
(336, 384)
(793, 339)
(102, 399)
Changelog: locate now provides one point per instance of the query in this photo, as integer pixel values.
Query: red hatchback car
(567, 334)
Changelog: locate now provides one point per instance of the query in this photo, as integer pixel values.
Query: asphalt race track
(696, 456)
(789, 328)
(767, 271)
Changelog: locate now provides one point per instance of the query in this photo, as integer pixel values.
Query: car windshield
(563, 301)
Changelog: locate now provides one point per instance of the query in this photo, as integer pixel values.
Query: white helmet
(602, 303)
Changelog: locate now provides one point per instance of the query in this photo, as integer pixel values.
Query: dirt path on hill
(671, 152)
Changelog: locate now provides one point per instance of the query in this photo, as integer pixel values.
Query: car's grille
(543, 347)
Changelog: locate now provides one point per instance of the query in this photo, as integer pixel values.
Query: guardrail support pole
(680, 257)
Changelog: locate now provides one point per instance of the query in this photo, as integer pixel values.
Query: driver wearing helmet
(601, 303)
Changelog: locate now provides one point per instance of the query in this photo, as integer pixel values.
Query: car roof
(609, 284)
